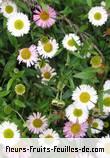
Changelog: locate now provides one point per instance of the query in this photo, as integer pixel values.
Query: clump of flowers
(54, 80)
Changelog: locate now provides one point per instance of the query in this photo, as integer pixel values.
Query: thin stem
(101, 54)
(61, 94)
(19, 115)
(67, 59)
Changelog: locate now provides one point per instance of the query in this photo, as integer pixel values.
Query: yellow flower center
(97, 16)
(9, 9)
(20, 89)
(75, 128)
(95, 125)
(106, 101)
(107, 148)
(37, 123)
(25, 54)
(77, 112)
(96, 61)
(84, 97)
(49, 136)
(47, 75)
(71, 43)
(44, 15)
(19, 24)
(8, 133)
(48, 47)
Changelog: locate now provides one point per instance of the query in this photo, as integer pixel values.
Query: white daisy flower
(49, 138)
(71, 42)
(104, 142)
(47, 72)
(85, 95)
(9, 133)
(29, 56)
(97, 126)
(48, 49)
(18, 24)
(37, 123)
(8, 8)
(97, 16)
(106, 85)
(106, 103)
(76, 113)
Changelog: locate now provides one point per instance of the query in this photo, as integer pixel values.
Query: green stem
(67, 59)
(19, 115)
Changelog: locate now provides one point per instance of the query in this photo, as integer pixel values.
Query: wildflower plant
(54, 68)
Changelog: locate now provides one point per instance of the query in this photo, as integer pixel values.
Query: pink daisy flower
(29, 56)
(75, 130)
(37, 123)
(44, 18)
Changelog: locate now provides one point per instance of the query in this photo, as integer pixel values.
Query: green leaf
(88, 73)
(23, 6)
(19, 103)
(89, 2)
(83, 28)
(67, 94)
(66, 11)
(12, 40)
(10, 65)
(3, 102)
(4, 93)
(107, 3)
(10, 82)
